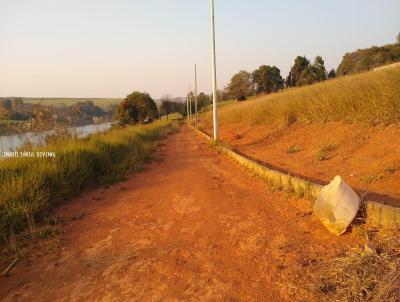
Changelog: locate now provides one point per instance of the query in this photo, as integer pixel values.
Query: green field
(101, 102)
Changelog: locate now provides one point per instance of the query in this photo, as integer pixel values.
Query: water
(10, 143)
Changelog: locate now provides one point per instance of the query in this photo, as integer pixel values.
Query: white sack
(337, 205)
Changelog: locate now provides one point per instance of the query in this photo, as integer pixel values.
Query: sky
(109, 48)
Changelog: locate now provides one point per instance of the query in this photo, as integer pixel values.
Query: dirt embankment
(194, 226)
(366, 157)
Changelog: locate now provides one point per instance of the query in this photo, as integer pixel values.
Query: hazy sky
(108, 48)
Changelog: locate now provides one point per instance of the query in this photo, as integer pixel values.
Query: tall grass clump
(371, 97)
(29, 186)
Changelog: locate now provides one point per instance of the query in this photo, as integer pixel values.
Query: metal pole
(195, 95)
(187, 106)
(214, 73)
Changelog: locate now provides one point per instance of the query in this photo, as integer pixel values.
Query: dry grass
(294, 149)
(372, 97)
(324, 152)
(372, 274)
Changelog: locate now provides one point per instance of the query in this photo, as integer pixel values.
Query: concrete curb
(382, 216)
(377, 214)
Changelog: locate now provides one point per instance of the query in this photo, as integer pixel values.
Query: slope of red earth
(194, 226)
(368, 158)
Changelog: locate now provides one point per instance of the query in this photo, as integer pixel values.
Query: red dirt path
(194, 226)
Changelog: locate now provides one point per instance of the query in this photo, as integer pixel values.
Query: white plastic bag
(337, 205)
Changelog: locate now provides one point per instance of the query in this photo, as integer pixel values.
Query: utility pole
(214, 73)
(195, 95)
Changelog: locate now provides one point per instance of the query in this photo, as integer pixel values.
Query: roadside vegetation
(30, 186)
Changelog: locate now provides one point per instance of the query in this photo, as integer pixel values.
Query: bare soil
(368, 158)
(194, 226)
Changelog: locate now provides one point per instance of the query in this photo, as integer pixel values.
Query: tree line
(268, 79)
(369, 58)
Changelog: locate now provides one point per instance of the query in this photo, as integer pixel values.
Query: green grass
(30, 186)
(101, 102)
(371, 97)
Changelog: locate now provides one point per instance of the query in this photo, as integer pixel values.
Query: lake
(10, 143)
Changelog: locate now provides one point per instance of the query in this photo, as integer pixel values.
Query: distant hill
(369, 58)
(101, 102)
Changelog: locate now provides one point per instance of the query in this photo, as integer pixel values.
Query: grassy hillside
(372, 97)
(29, 186)
(101, 102)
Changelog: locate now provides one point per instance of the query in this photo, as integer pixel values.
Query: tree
(306, 77)
(304, 73)
(167, 106)
(300, 64)
(318, 69)
(267, 79)
(136, 108)
(241, 86)
(332, 74)
(203, 100)
(88, 108)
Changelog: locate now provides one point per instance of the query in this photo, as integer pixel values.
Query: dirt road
(194, 226)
